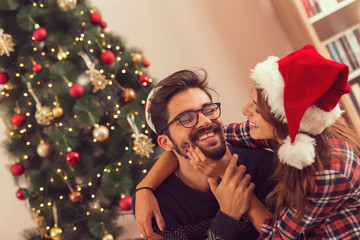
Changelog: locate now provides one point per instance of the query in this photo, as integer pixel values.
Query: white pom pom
(300, 153)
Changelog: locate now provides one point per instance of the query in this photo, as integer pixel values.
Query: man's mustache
(200, 131)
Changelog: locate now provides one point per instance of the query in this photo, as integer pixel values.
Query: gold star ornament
(6, 43)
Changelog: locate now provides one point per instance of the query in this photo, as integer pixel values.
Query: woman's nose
(245, 109)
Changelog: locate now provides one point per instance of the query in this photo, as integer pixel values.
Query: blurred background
(226, 38)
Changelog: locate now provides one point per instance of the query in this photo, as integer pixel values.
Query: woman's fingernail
(194, 147)
(186, 150)
(163, 228)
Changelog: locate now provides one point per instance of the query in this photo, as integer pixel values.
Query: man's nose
(203, 121)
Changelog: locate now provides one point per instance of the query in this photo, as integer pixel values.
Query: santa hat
(303, 90)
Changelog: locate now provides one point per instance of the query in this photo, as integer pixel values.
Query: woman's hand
(234, 192)
(146, 207)
(207, 166)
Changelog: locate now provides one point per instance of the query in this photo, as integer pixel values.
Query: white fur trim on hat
(315, 120)
(268, 78)
(147, 116)
(300, 153)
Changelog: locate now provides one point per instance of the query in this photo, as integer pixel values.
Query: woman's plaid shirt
(334, 206)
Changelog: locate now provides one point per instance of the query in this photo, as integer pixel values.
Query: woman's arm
(146, 204)
(163, 167)
(238, 134)
(257, 213)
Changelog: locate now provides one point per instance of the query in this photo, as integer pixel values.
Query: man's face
(207, 134)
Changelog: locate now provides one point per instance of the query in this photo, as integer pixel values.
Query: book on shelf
(327, 53)
(346, 49)
(357, 34)
(355, 89)
(306, 5)
(333, 52)
(342, 54)
(349, 52)
(354, 44)
(355, 96)
(314, 7)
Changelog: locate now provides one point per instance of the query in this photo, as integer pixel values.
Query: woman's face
(259, 128)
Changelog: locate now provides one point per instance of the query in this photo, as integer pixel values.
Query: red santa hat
(303, 90)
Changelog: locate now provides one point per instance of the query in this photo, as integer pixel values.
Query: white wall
(227, 38)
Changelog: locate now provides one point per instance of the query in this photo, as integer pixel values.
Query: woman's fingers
(159, 220)
(146, 207)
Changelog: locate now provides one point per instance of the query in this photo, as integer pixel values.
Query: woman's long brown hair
(294, 186)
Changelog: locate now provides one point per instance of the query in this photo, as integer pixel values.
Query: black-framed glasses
(190, 118)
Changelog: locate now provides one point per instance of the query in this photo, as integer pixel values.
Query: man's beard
(215, 154)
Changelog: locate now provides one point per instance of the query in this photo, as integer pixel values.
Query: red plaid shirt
(334, 206)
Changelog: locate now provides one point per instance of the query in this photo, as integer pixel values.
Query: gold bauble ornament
(76, 197)
(66, 5)
(136, 57)
(128, 94)
(55, 233)
(43, 149)
(57, 112)
(108, 236)
(44, 116)
(101, 133)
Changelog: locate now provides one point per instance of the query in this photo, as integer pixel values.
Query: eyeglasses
(190, 118)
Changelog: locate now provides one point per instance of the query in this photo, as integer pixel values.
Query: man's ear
(165, 143)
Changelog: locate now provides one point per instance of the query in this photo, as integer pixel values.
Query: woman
(295, 105)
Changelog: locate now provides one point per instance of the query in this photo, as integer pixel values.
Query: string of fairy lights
(56, 112)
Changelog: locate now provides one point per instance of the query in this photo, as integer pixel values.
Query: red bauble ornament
(126, 203)
(20, 194)
(72, 158)
(18, 119)
(144, 79)
(4, 77)
(17, 169)
(95, 18)
(107, 57)
(146, 62)
(76, 90)
(103, 24)
(37, 67)
(40, 34)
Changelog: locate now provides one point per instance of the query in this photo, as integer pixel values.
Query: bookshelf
(331, 26)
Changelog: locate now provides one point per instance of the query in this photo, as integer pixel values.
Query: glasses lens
(188, 119)
(211, 111)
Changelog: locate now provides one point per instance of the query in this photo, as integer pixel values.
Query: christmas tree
(72, 99)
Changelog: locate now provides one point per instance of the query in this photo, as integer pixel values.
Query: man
(183, 114)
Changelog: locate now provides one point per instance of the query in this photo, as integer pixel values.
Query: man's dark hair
(167, 88)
